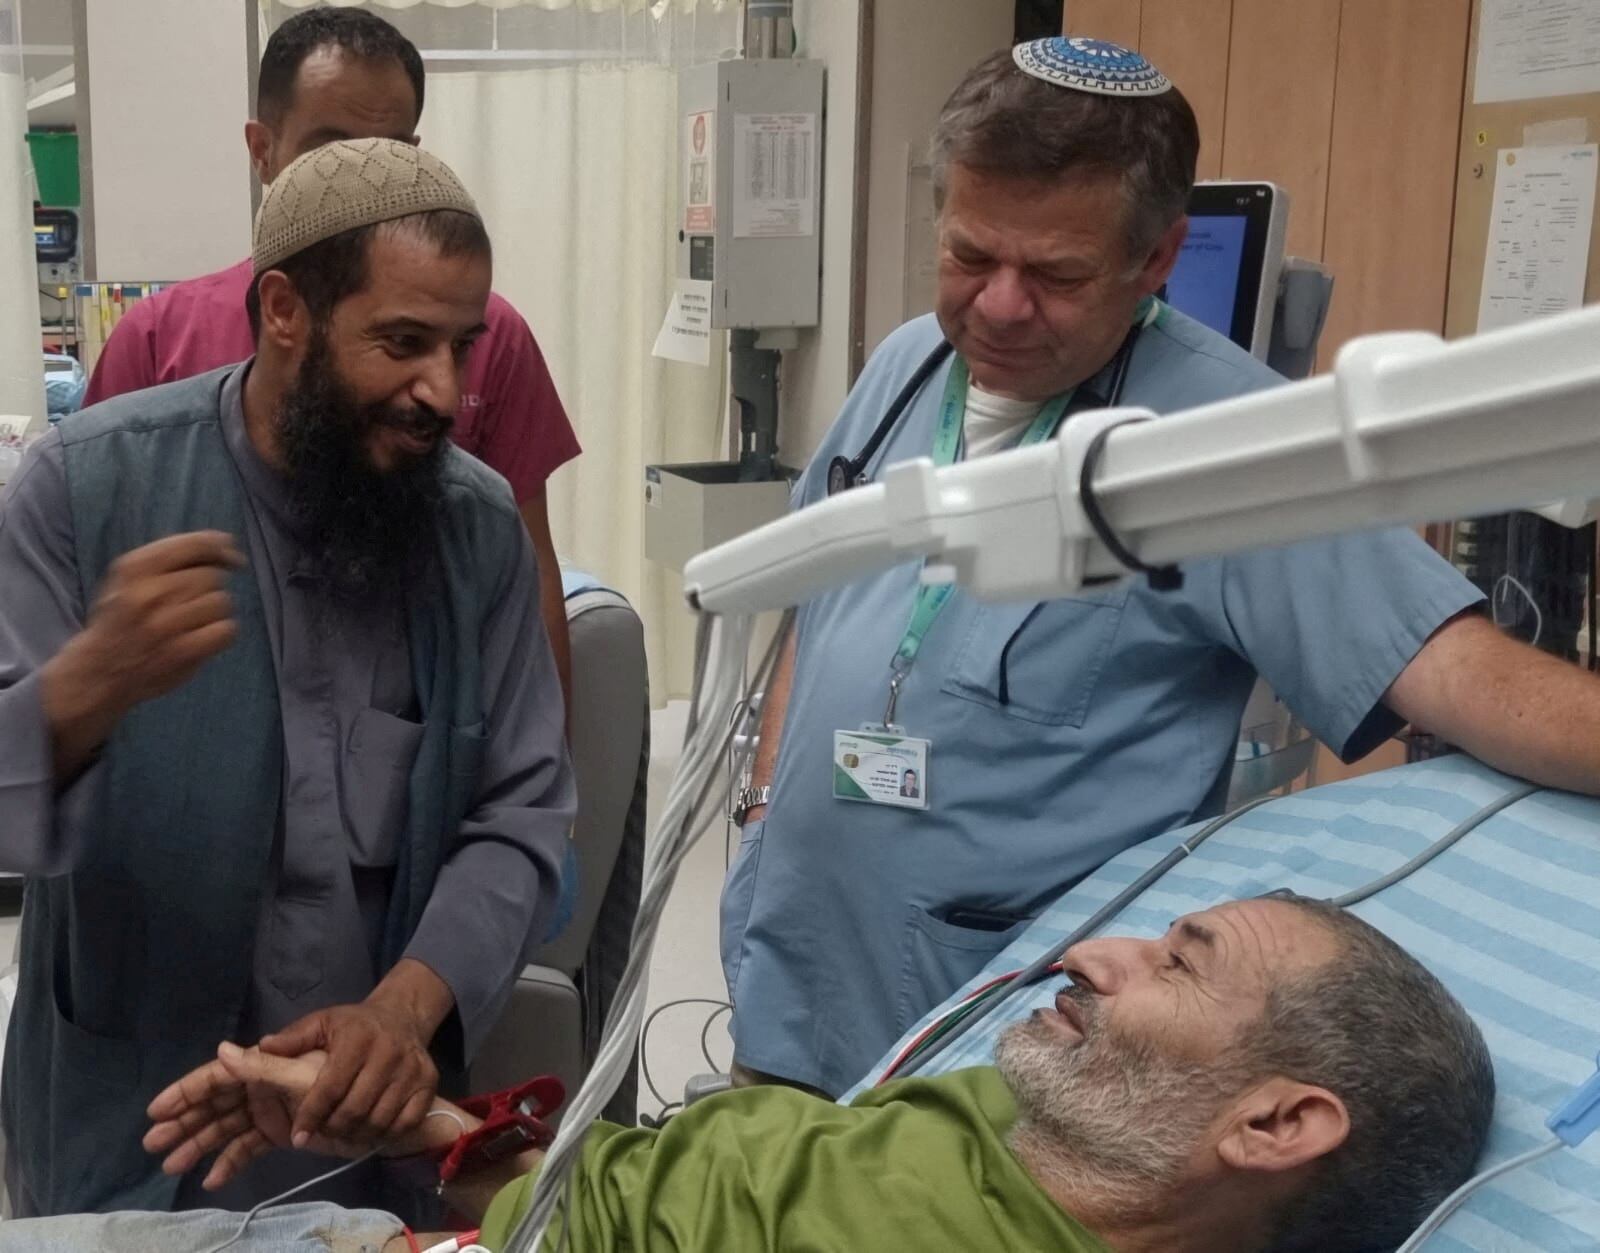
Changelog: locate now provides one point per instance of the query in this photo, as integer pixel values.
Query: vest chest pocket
(377, 776)
(1040, 662)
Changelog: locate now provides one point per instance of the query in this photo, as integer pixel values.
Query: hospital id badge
(880, 768)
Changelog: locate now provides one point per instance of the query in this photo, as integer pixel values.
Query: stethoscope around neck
(847, 472)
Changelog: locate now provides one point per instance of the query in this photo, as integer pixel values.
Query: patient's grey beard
(1118, 1115)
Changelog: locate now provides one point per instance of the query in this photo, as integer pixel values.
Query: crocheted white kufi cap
(351, 183)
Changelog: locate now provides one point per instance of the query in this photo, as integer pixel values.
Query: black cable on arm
(1162, 578)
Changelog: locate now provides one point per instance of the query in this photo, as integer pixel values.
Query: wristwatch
(748, 798)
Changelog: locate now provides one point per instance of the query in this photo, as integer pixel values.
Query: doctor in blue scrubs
(1047, 737)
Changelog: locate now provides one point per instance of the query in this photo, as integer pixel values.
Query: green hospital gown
(919, 1164)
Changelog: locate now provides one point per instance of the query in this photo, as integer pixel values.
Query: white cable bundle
(722, 649)
(1453, 1202)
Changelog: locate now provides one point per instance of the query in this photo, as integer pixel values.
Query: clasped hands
(248, 1102)
(340, 1081)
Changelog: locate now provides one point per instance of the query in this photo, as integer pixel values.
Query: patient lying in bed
(1270, 1075)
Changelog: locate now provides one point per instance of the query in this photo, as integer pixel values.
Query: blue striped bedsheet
(1508, 919)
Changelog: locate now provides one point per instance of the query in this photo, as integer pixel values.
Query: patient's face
(1137, 1058)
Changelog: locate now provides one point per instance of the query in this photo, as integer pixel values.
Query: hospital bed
(552, 1023)
(1508, 918)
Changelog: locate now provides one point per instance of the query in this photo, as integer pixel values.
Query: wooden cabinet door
(1113, 20)
(1281, 66)
(1187, 40)
(1391, 170)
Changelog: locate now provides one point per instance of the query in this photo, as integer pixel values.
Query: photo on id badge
(880, 769)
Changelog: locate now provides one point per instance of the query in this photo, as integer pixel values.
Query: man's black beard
(370, 532)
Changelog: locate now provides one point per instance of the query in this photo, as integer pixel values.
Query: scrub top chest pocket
(1040, 662)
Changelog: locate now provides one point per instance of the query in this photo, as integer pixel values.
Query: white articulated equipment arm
(1406, 429)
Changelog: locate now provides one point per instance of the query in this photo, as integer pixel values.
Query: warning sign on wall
(700, 175)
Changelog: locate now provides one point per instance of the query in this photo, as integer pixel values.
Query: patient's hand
(243, 1105)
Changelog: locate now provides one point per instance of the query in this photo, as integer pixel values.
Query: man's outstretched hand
(243, 1105)
(378, 1081)
(240, 1106)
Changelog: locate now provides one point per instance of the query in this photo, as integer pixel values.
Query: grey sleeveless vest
(136, 964)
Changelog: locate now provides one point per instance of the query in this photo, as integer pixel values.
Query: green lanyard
(931, 600)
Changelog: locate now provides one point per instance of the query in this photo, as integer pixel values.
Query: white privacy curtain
(561, 117)
(595, 6)
(21, 367)
(575, 170)
(656, 8)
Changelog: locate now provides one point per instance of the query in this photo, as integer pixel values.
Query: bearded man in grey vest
(281, 737)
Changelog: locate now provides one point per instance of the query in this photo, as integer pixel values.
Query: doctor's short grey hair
(1380, 1032)
(1003, 121)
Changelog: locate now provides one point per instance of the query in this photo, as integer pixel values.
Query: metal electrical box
(750, 187)
(697, 505)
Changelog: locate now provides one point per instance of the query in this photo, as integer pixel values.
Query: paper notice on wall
(1533, 48)
(700, 172)
(686, 330)
(774, 175)
(1539, 226)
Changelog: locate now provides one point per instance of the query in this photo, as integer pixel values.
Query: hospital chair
(552, 1022)
(1504, 917)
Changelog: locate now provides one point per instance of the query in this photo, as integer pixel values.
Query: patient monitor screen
(1224, 271)
(1205, 282)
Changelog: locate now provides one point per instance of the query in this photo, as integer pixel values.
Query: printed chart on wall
(774, 175)
(1533, 48)
(700, 172)
(1539, 226)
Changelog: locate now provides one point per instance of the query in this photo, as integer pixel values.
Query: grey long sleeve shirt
(350, 737)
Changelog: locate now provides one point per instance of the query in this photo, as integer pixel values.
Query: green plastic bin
(55, 165)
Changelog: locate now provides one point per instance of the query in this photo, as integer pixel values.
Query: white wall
(816, 375)
(167, 106)
(921, 50)
(21, 383)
